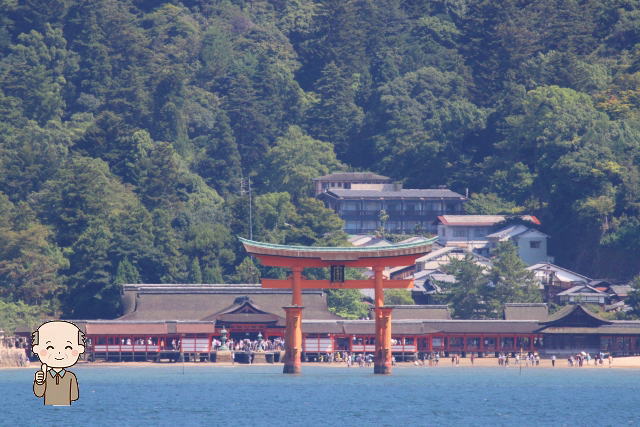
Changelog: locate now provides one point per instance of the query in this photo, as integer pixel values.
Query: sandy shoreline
(621, 362)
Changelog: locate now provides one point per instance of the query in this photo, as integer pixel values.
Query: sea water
(180, 395)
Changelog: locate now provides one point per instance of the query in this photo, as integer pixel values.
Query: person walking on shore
(553, 361)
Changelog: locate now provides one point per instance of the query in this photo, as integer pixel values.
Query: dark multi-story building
(407, 210)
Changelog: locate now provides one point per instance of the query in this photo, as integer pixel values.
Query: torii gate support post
(382, 360)
(293, 340)
(293, 334)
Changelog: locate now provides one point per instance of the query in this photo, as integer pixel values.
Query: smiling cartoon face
(59, 344)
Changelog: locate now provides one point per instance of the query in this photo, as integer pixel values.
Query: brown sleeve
(74, 388)
(38, 389)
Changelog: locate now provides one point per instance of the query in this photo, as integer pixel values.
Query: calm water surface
(200, 395)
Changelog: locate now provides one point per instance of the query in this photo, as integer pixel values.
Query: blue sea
(180, 395)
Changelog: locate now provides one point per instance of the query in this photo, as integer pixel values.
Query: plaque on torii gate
(297, 258)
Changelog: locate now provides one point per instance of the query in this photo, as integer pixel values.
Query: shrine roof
(337, 253)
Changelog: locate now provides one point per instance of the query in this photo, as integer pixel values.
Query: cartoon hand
(40, 375)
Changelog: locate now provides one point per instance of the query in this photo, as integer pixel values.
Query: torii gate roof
(339, 255)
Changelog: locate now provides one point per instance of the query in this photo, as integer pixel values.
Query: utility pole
(245, 187)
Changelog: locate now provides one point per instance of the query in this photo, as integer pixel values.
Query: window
(534, 244)
(480, 232)
(394, 226)
(369, 225)
(412, 227)
(347, 185)
(411, 207)
(473, 342)
(452, 207)
(371, 206)
(459, 232)
(352, 226)
(432, 206)
(350, 206)
(392, 206)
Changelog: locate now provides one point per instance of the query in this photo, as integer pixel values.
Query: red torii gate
(297, 258)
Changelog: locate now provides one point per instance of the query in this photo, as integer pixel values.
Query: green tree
(633, 299)
(489, 204)
(512, 282)
(398, 297)
(168, 115)
(82, 190)
(336, 117)
(15, 315)
(31, 155)
(217, 159)
(212, 274)
(347, 303)
(246, 272)
(30, 264)
(92, 292)
(195, 274)
(272, 214)
(467, 295)
(296, 159)
(126, 273)
(36, 72)
(422, 121)
(315, 225)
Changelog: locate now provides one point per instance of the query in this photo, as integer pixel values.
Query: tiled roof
(526, 311)
(604, 329)
(621, 290)
(422, 312)
(581, 289)
(353, 176)
(481, 220)
(115, 327)
(572, 311)
(406, 193)
(484, 326)
(515, 230)
(561, 273)
(205, 304)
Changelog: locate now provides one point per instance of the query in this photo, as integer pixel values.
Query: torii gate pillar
(293, 332)
(293, 340)
(382, 359)
(382, 362)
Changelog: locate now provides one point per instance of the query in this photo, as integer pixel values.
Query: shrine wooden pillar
(382, 359)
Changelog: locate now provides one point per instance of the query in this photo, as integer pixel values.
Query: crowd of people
(583, 358)
(250, 345)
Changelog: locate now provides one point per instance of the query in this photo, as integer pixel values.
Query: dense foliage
(480, 293)
(132, 130)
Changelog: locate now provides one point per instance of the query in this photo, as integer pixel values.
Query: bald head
(58, 344)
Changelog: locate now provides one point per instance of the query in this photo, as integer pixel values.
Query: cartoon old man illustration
(58, 344)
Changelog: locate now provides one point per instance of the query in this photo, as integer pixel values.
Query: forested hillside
(129, 129)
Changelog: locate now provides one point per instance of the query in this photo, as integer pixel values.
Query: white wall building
(474, 232)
